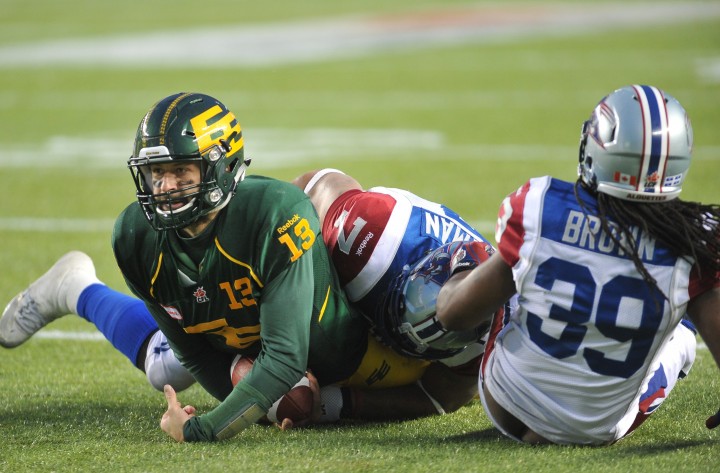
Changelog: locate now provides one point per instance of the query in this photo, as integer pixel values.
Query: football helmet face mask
(187, 128)
(636, 145)
(407, 321)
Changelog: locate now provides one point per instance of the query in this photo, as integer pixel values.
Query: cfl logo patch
(200, 295)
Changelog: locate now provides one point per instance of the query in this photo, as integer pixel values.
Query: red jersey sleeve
(509, 231)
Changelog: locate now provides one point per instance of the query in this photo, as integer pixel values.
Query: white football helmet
(636, 145)
(407, 321)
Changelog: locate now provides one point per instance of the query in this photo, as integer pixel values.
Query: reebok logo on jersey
(364, 243)
(288, 224)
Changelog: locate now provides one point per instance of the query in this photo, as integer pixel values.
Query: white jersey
(577, 358)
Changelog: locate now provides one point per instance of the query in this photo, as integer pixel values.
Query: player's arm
(704, 311)
(324, 187)
(285, 314)
(470, 298)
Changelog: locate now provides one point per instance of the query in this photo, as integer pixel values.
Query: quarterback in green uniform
(229, 265)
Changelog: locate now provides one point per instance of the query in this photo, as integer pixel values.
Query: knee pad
(162, 367)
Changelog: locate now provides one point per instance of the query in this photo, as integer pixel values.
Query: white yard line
(269, 45)
(73, 336)
(56, 225)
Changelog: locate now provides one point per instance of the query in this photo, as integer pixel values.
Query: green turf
(464, 125)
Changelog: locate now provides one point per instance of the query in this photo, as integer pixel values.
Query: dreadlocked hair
(690, 230)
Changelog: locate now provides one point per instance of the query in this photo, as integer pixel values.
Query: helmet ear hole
(231, 166)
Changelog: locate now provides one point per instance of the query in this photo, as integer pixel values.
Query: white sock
(74, 283)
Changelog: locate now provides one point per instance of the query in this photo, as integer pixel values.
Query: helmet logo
(436, 267)
(216, 124)
(153, 152)
(673, 181)
(603, 125)
(652, 179)
(200, 295)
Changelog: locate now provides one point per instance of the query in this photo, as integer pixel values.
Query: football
(297, 405)
(240, 367)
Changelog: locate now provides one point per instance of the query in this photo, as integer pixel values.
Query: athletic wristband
(331, 404)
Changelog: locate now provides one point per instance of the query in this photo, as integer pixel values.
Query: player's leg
(387, 386)
(71, 286)
(122, 319)
(675, 361)
(51, 296)
(161, 366)
(453, 382)
(127, 324)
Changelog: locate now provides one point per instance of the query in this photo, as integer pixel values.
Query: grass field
(460, 102)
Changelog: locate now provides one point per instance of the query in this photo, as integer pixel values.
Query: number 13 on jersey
(300, 227)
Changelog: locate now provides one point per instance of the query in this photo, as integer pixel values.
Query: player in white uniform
(606, 269)
(372, 235)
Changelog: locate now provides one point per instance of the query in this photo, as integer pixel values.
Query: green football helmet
(188, 127)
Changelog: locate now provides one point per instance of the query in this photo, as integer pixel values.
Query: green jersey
(258, 281)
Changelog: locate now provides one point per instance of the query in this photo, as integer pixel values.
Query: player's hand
(174, 419)
(713, 421)
(287, 424)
